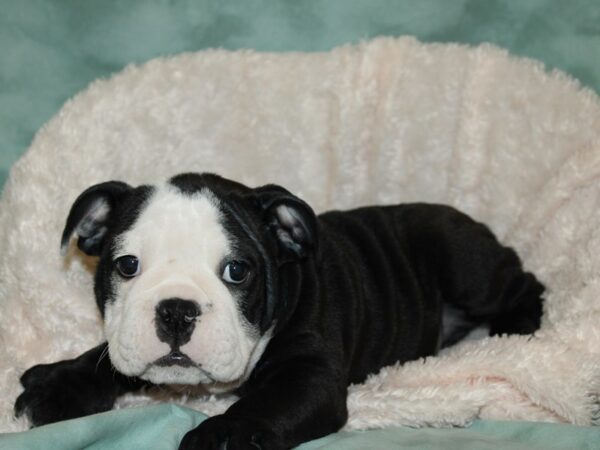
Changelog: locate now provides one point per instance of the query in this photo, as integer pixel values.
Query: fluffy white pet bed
(387, 121)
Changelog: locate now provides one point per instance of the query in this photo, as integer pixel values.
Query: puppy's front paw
(231, 433)
(60, 391)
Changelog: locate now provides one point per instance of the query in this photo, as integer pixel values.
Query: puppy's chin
(175, 375)
(190, 376)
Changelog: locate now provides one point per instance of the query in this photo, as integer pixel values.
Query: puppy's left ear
(91, 216)
(291, 221)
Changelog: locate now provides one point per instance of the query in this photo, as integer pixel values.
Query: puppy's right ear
(91, 216)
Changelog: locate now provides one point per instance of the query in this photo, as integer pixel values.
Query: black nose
(175, 320)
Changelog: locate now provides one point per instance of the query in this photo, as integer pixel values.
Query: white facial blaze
(180, 244)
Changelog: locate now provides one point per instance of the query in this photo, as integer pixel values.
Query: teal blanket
(49, 50)
(161, 427)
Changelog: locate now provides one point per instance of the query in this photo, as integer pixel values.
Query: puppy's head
(188, 272)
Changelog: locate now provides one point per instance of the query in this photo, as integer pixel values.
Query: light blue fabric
(161, 427)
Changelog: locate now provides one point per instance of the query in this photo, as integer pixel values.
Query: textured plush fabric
(51, 49)
(388, 121)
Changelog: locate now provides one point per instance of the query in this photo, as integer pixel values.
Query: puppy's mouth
(175, 358)
(177, 368)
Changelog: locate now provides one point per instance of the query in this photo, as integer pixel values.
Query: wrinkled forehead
(175, 225)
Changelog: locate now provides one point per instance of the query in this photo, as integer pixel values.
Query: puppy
(202, 280)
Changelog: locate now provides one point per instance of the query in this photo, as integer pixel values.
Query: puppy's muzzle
(175, 321)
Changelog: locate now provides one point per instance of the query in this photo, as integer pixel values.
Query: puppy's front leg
(73, 388)
(292, 403)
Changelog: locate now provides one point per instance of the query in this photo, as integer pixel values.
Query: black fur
(124, 215)
(346, 292)
(74, 388)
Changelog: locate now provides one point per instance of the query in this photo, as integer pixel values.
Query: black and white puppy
(202, 280)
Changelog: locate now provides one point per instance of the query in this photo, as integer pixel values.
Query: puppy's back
(439, 263)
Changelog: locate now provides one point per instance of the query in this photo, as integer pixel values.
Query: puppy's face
(187, 278)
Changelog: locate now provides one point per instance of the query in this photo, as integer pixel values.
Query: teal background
(51, 49)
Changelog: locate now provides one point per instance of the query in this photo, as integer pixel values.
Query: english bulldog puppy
(204, 281)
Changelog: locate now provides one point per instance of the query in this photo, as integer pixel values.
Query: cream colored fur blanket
(392, 120)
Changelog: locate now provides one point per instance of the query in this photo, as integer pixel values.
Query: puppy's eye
(128, 266)
(235, 272)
